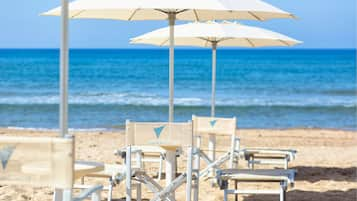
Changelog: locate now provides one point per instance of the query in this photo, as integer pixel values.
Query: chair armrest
(87, 192)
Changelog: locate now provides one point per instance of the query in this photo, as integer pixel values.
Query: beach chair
(149, 155)
(212, 126)
(284, 178)
(169, 136)
(43, 162)
(115, 174)
(227, 127)
(112, 172)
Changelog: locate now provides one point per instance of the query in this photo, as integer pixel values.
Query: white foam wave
(157, 100)
(56, 129)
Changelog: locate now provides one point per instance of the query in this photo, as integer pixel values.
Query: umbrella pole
(213, 96)
(212, 137)
(172, 17)
(63, 118)
(170, 154)
(60, 194)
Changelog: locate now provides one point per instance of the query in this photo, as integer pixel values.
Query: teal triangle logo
(213, 122)
(5, 154)
(158, 131)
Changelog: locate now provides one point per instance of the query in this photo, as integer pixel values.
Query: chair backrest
(37, 161)
(164, 134)
(213, 125)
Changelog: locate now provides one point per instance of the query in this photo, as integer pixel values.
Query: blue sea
(262, 88)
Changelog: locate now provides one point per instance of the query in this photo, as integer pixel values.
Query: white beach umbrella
(193, 10)
(213, 34)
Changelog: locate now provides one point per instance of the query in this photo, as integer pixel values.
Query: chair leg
(58, 195)
(236, 188)
(67, 194)
(96, 196)
(110, 189)
(196, 187)
(253, 162)
(138, 192)
(283, 187)
(160, 168)
(189, 175)
(232, 152)
(128, 173)
(225, 196)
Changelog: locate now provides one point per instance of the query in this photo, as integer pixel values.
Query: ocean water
(262, 88)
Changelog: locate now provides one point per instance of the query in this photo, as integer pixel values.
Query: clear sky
(321, 24)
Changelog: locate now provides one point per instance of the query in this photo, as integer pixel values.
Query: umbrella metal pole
(212, 137)
(59, 194)
(171, 154)
(63, 116)
(172, 17)
(213, 96)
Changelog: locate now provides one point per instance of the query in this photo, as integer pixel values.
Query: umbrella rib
(77, 14)
(196, 15)
(162, 11)
(207, 41)
(181, 11)
(250, 42)
(167, 12)
(132, 15)
(206, 44)
(255, 16)
(284, 42)
(223, 39)
(165, 41)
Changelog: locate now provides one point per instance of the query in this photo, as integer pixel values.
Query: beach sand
(326, 163)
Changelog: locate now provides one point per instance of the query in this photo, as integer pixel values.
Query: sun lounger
(284, 178)
(268, 156)
(44, 162)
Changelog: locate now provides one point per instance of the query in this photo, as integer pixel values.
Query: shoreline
(123, 129)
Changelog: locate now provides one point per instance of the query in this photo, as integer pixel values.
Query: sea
(265, 88)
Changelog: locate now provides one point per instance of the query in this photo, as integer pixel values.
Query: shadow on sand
(297, 195)
(315, 174)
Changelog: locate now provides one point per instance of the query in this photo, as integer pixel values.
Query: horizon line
(177, 48)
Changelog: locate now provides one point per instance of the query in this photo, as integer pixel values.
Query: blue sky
(321, 24)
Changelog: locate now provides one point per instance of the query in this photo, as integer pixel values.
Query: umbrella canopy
(193, 10)
(190, 10)
(229, 34)
(213, 34)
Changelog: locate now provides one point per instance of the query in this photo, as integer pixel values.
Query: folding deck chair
(222, 127)
(42, 162)
(115, 174)
(169, 136)
(150, 155)
(227, 127)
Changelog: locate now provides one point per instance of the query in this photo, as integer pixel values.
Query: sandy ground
(326, 163)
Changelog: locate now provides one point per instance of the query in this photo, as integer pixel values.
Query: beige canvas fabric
(37, 161)
(163, 134)
(213, 125)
